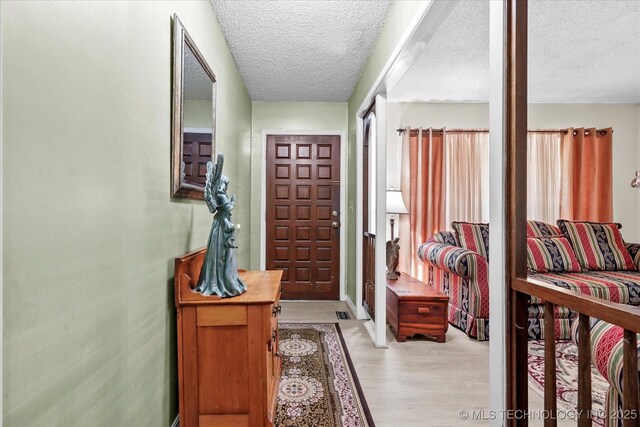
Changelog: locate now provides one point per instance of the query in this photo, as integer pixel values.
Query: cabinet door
(223, 386)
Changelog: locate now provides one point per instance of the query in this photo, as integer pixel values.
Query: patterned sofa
(585, 257)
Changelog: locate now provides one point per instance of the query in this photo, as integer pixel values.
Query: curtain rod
(403, 130)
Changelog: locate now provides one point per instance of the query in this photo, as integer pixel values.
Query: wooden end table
(415, 308)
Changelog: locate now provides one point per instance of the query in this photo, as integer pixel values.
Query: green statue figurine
(219, 273)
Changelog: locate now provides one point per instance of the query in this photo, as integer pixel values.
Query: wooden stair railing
(587, 306)
(369, 273)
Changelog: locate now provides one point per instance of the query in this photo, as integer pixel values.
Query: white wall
(623, 118)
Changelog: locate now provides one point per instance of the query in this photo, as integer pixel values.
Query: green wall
(286, 116)
(89, 229)
(395, 25)
(197, 113)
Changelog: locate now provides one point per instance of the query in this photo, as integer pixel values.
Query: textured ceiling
(197, 84)
(579, 51)
(300, 50)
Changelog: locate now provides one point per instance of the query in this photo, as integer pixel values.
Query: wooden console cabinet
(228, 360)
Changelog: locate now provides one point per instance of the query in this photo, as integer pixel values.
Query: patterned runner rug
(567, 379)
(319, 386)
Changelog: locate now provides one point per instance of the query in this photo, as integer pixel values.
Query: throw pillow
(551, 254)
(447, 237)
(597, 245)
(634, 251)
(473, 236)
(542, 229)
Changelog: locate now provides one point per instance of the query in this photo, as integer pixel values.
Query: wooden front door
(303, 214)
(196, 152)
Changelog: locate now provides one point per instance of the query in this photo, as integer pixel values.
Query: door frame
(407, 48)
(344, 209)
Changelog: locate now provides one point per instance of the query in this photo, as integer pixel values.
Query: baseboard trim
(362, 315)
(351, 307)
(176, 422)
(371, 328)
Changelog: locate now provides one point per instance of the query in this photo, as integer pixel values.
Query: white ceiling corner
(579, 51)
(300, 50)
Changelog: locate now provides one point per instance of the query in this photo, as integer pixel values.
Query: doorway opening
(303, 214)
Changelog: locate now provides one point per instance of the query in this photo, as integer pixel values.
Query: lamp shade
(395, 204)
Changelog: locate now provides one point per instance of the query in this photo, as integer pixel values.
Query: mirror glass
(194, 116)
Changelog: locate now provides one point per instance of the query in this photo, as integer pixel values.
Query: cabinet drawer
(423, 312)
(229, 315)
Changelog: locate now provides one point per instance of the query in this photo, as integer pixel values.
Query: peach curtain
(587, 175)
(467, 177)
(543, 176)
(423, 193)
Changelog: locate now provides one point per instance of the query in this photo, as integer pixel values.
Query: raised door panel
(223, 370)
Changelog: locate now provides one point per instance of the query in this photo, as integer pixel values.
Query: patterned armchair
(464, 276)
(607, 357)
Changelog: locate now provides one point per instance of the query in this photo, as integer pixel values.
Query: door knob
(334, 213)
(335, 224)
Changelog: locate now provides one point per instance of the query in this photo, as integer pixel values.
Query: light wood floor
(415, 383)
